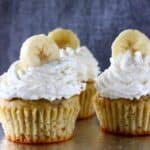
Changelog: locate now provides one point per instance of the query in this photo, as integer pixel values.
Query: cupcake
(88, 69)
(39, 94)
(123, 105)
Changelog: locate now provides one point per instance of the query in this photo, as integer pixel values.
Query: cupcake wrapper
(86, 101)
(124, 117)
(45, 124)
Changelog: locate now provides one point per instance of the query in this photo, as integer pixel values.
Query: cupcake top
(69, 45)
(40, 73)
(129, 71)
(87, 67)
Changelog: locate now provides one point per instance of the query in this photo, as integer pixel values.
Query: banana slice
(132, 40)
(65, 38)
(38, 50)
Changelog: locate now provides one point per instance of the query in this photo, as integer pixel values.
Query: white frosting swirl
(87, 67)
(127, 77)
(55, 80)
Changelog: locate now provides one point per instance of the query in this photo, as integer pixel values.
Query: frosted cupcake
(88, 69)
(39, 94)
(123, 106)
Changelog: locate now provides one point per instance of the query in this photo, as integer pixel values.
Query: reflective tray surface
(87, 137)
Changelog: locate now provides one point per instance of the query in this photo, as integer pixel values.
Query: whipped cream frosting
(127, 77)
(87, 67)
(55, 80)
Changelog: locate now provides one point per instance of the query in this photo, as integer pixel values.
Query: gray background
(97, 22)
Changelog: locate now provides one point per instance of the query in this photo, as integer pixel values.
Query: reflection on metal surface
(87, 137)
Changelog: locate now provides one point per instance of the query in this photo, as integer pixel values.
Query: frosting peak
(55, 80)
(127, 77)
(87, 65)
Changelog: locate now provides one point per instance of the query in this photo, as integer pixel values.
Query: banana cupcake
(88, 69)
(39, 94)
(123, 105)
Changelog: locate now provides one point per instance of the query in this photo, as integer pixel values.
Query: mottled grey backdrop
(97, 22)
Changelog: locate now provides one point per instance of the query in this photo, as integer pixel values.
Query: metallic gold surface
(87, 137)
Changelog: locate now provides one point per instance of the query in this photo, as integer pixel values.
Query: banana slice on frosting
(132, 40)
(65, 38)
(38, 50)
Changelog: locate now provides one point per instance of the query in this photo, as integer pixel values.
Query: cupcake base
(124, 117)
(86, 101)
(39, 121)
(23, 140)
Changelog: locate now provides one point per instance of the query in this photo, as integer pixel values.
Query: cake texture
(123, 104)
(124, 117)
(41, 121)
(86, 99)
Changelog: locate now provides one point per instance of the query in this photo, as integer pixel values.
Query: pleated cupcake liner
(48, 123)
(124, 117)
(86, 101)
